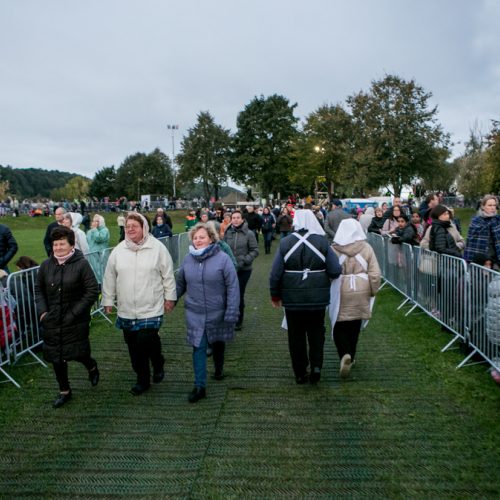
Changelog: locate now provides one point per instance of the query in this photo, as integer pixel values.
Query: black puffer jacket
(8, 246)
(441, 241)
(66, 293)
(296, 289)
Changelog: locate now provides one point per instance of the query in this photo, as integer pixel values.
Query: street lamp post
(173, 128)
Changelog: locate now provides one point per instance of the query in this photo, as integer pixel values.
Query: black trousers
(306, 327)
(218, 350)
(243, 277)
(345, 336)
(61, 371)
(144, 346)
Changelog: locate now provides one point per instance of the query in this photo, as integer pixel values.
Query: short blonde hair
(209, 228)
(487, 198)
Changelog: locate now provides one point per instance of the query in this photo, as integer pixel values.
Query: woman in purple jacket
(208, 278)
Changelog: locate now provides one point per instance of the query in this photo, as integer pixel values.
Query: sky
(84, 84)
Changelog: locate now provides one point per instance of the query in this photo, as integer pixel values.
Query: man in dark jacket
(333, 219)
(47, 241)
(8, 247)
(254, 221)
(300, 282)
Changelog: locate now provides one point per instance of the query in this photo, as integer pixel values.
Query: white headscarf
(145, 234)
(305, 219)
(76, 219)
(100, 220)
(349, 231)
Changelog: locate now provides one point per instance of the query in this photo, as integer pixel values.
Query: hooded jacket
(243, 245)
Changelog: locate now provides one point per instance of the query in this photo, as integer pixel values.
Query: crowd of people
(322, 264)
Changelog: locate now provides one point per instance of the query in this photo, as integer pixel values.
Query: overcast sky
(83, 84)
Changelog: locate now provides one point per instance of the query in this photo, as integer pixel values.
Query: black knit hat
(439, 210)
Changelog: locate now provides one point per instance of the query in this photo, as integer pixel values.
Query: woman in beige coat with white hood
(352, 294)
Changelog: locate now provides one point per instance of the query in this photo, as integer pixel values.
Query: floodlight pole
(173, 128)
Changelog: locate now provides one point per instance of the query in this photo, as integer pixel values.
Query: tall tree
(143, 173)
(77, 188)
(397, 135)
(471, 179)
(204, 155)
(492, 159)
(325, 150)
(104, 183)
(263, 143)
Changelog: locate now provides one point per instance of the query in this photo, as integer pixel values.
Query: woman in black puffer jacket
(441, 241)
(65, 291)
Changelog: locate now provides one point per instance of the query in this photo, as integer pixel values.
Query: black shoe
(159, 374)
(315, 376)
(138, 389)
(302, 380)
(94, 376)
(62, 399)
(219, 375)
(196, 394)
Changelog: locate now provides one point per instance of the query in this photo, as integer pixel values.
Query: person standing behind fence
(72, 221)
(140, 277)
(65, 291)
(161, 229)
(483, 236)
(300, 278)
(352, 294)
(47, 242)
(441, 239)
(97, 240)
(8, 247)
(377, 222)
(208, 277)
(245, 249)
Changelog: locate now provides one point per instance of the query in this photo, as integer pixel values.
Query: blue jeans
(200, 363)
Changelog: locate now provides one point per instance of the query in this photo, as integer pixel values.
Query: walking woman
(208, 278)
(245, 249)
(300, 278)
(483, 237)
(140, 277)
(65, 291)
(284, 222)
(352, 294)
(268, 225)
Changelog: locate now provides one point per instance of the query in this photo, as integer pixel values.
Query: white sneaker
(345, 365)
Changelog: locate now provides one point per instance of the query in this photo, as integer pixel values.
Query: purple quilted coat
(212, 296)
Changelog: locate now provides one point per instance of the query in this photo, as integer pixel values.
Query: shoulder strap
(303, 240)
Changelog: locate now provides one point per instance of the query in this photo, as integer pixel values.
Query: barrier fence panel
(465, 300)
(484, 314)
(377, 243)
(25, 327)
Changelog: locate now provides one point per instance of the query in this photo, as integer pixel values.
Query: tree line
(385, 137)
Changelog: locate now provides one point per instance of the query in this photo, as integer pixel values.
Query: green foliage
(324, 150)
(263, 143)
(77, 188)
(396, 134)
(205, 156)
(492, 159)
(104, 183)
(144, 174)
(33, 182)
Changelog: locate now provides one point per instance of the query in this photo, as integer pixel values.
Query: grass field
(406, 423)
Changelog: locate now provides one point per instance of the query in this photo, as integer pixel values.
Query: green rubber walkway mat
(405, 424)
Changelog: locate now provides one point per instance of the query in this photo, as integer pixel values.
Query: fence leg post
(9, 377)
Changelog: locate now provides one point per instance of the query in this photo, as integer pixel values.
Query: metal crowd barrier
(20, 331)
(465, 300)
